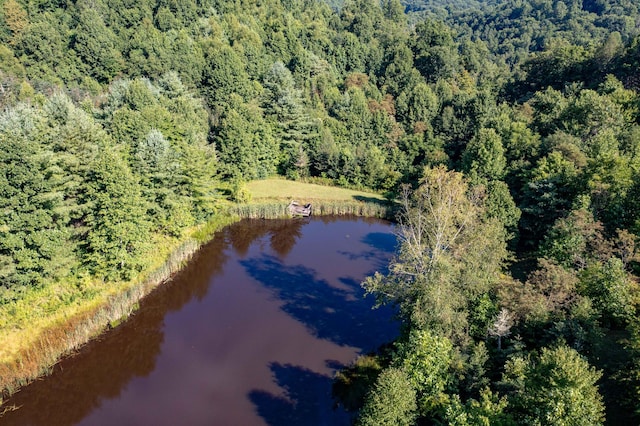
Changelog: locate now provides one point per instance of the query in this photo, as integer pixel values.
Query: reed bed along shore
(276, 210)
(32, 348)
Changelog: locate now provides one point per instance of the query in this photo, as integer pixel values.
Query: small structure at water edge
(297, 209)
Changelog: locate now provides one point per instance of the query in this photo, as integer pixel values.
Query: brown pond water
(250, 333)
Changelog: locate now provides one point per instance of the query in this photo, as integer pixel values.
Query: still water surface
(250, 333)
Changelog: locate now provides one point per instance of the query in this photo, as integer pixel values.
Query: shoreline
(94, 316)
(100, 314)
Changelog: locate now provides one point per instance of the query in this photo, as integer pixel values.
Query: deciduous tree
(558, 387)
(449, 254)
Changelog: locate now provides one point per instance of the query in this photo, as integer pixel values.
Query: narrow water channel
(250, 333)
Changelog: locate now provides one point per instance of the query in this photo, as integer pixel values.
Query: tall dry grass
(276, 210)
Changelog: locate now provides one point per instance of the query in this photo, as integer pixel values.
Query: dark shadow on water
(307, 395)
(335, 314)
(368, 255)
(382, 241)
(103, 368)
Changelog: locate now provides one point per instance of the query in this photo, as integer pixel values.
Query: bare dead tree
(501, 326)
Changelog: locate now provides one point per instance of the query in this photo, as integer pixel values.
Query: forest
(509, 133)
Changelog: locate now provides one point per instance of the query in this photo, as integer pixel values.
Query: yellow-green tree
(450, 254)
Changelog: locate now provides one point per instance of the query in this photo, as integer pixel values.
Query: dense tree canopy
(499, 125)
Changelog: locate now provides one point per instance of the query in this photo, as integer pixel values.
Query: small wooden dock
(297, 209)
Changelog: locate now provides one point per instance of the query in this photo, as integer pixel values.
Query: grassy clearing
(280, 189)
(270, 198)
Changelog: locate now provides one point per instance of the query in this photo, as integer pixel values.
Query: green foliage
(435, 50)
(489, 410)
(500, 205)
(351, 385)
(283, 105)
(36, 243)
(634, 372)
(555, 65)
(224, 74)
(576, 240)
(549, 194)
(449, 255)
(94, 42)
(484, 156)
(549, 294)
(417, 105)
(392, 401)
(246, 144)
(427, 360)
(9, 64)
(119, 236)
(611, 290)
(557, 387)
(514, 30)
(132, 113)
(78, 200)
(239, 192)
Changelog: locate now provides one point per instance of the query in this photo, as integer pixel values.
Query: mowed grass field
(280, 189)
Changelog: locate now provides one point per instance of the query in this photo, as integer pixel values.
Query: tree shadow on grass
(307, 395)
(373, 200)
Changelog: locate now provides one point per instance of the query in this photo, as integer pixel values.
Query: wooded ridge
(510, 131)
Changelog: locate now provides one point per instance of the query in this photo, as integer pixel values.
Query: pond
(251, 332)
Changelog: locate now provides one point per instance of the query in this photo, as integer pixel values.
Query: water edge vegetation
(34, 340)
